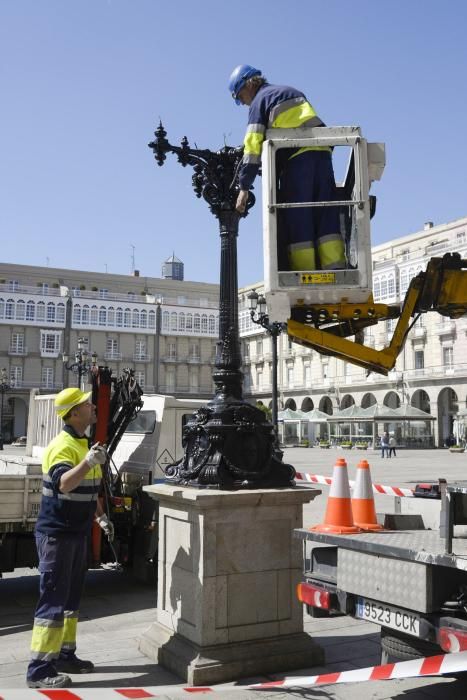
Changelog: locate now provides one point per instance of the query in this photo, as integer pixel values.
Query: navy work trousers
(307, 177)
(62, 567)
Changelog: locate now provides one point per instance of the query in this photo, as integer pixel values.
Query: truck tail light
(451, 639)
(314, 596)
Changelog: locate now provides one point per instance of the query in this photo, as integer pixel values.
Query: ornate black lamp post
(4, 387)
(228, 444)
(258, 312)
(81, 365)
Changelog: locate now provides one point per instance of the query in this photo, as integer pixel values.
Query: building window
(376, 289)
(47, 377)
(173, 321)
(170, 380)
(259, 348)
(135, 318)
(50, 343)
(189, 322)
(17, 343)
(111, 316)
(448, 357)
(290, 373)
(165, 321)
(143, 318)
(196, 323)
(307, 375)
(76, 291)
(204, 323)
(102, 316)
(13, 285)
(140, 377)
(10, 309)
(384, 287)
(391, 286)
(172, 351)
(119, 317)
(77, 314)
(94, 315)
(20, 310)
(419, 359)
(40, 315)
(50, 312)
(85, 315)
(194, 381)
(111, 347)
(16, 376)
(152, 319)
(44, 287)
(259, 378)
(212, 324)
(140, 350)
(127, 318)
(30, 311)
(103, 293)
(194, 351)
(60, 313)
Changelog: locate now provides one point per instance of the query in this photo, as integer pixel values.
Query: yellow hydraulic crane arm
(442, 288)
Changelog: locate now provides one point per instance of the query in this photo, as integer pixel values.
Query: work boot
(70, 663)
(58, 681)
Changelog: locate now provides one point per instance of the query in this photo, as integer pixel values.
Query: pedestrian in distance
(392, 446)
(71, 479)
(385, 445)
(309, 238)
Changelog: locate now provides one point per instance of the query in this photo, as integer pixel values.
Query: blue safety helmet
(239, 76)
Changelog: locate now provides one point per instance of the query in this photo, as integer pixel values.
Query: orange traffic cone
(338, 516)
(363, 502)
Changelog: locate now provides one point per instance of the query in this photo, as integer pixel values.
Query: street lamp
(258, 313)
(228, 443)
(81, 365)
(4, 386)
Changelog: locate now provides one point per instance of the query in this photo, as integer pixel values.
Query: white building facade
(164, 329)
(431, 371)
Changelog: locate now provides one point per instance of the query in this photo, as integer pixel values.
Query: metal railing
(17, 351)
(6, 288)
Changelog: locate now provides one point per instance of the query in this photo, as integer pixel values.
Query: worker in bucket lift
(71, 479)
(309, 238)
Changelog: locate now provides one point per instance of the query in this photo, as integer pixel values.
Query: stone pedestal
(227, 571)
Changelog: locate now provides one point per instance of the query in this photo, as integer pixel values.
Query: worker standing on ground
(71, 480)
(309, 237)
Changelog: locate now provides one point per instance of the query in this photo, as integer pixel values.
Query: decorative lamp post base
(230, 445)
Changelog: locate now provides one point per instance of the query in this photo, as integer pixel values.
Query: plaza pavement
(116, 610)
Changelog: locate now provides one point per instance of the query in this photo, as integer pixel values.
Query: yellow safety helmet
(68, 399)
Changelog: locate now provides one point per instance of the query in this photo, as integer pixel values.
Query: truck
(143, 434)
(411, 580)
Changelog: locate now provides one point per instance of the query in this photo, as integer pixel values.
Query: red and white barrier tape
(416, 668)
(377, 488)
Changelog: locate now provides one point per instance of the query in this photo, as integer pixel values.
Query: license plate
(388, 616)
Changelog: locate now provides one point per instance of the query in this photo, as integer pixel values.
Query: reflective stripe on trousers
(62, 567)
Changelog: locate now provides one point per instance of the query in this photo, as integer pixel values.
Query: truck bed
(421, 546)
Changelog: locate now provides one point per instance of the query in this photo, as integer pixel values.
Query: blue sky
(84, 83)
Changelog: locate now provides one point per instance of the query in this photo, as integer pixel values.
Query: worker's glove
(96, 455)
(107, 526)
